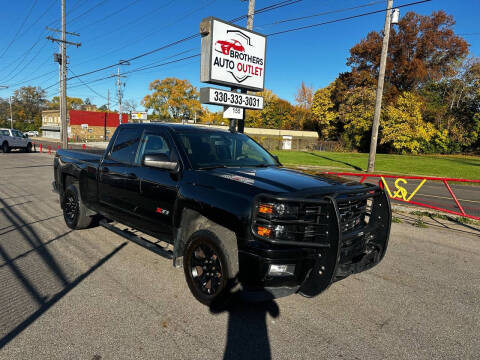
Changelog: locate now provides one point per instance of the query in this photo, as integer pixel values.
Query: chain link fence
(296, 144)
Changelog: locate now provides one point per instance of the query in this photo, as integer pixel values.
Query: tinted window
(4, 132)
(126, 145)
(17, 133)
(155, 144)
(224, 149)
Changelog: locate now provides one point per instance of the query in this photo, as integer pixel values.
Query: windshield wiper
(263, 165)
(212, 167)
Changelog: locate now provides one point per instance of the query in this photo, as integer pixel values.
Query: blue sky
(119, 29)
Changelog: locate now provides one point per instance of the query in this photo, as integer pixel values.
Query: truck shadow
(27, 294)
(247, 334)
(337, 161)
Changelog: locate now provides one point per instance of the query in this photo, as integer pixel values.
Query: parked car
(32, 133)
(14, 139)
(231, 211)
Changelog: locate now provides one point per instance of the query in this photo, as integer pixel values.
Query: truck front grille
(309, 219)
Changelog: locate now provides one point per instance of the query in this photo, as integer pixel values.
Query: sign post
(235, 57)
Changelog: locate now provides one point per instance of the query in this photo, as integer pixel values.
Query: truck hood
(251, 181)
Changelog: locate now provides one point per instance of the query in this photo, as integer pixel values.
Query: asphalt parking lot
(91, 294)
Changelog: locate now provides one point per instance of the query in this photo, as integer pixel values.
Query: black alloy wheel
(205, 268)
(70, 208)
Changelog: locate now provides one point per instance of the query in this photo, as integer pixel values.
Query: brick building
(82, 125)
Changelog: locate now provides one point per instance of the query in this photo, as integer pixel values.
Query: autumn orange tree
(172, 98)
(421, 48)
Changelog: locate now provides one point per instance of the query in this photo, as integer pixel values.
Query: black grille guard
(338, 254)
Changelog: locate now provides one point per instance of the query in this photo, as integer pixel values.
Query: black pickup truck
(234, 215)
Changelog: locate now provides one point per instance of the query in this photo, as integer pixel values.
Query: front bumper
(341, 252)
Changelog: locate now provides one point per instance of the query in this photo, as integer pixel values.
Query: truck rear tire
(74, 211)
(207, 264)
(29, 147)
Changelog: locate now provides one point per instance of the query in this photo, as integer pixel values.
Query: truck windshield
(218, 149)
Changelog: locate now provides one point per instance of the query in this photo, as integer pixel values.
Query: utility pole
(11, 114)
(381, 78)
(251, 11)
(63, 99)
(241, 123)
(62, 61)
(119, 84)
(108, 99)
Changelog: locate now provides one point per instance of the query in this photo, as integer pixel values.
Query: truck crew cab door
(118, 182)
(158, 187)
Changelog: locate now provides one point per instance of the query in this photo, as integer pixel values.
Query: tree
(356, 116)
(28, 103)
(403, 127)
(73, 103)
(130, 105)
(276, 114)
(173, 98)
(323, 111)
(304, 96)
(211, 118)
(423, 48)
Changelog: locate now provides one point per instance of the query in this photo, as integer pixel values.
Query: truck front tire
(74, 211)
(207, 263)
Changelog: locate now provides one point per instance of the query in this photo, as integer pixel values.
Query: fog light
(263, 231)
(279, 270)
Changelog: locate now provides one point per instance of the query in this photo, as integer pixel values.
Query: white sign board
(230, 98)
(232, 56)
(84, 126)
(138, 115)
(233, 113)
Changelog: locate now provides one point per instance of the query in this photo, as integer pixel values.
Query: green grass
(455, 166)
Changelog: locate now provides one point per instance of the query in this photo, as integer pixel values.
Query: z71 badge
(162, 211)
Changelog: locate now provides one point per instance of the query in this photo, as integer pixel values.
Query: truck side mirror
(159, 161)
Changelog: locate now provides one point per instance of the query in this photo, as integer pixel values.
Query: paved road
(92, 295)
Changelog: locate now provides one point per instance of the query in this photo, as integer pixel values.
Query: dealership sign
(213, 96)
(232, 56)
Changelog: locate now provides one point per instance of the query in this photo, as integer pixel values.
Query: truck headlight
(279, 211)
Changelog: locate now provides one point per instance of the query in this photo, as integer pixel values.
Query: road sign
(213, 96)
(233, 113)
(138, 115)
(231, 55)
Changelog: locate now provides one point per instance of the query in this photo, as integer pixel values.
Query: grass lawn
(454, 166)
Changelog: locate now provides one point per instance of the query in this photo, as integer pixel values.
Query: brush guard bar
(347, 232)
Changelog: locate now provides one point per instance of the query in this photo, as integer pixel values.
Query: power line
(193, 36)
(19, 29)
(89, 86)
(322, 13)
(110, 15)
(345, 18)
(87, 11)
(174, 22)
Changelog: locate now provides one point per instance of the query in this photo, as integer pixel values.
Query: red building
(93, 124)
